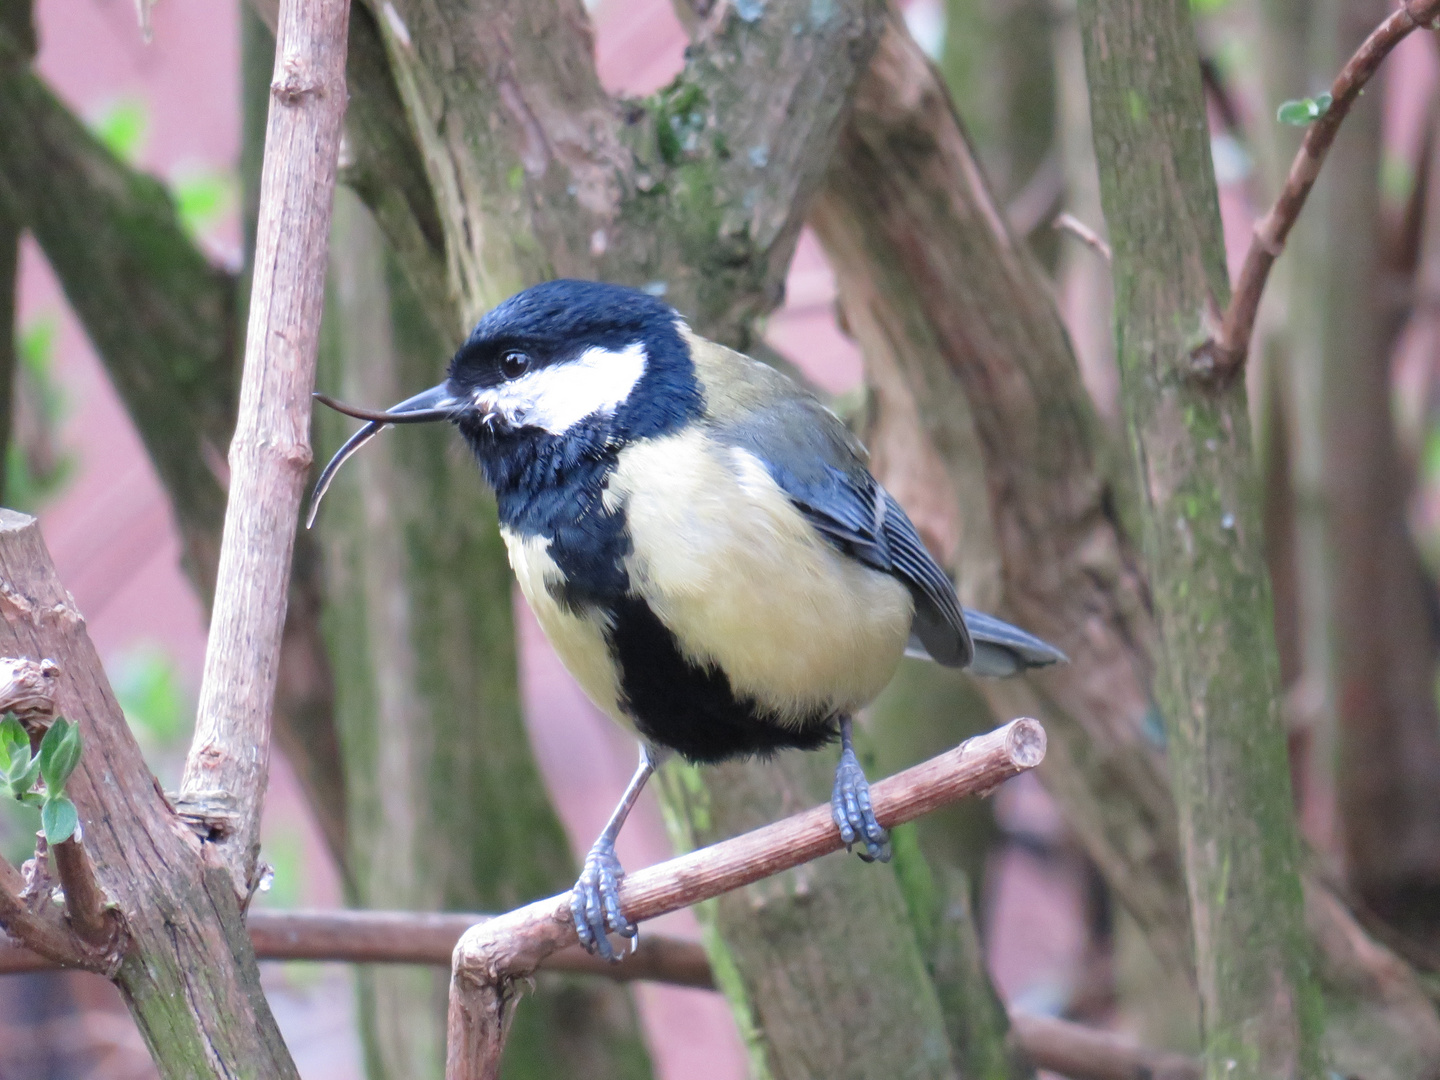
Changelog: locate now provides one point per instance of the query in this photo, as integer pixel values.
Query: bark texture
(304, 689)
(186, 967)
(944, 302)
(446, 808)
(1217, 680)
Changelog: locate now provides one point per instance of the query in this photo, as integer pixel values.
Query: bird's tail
(1002, 650)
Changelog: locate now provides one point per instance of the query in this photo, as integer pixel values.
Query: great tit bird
(700, 540)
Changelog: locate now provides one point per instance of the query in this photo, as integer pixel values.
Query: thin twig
(408, 937)
(1084, 1053)
(270, 455)
(40, 926)
(492, 956)
(1223, 356)
(1068, 222)
(85, 902)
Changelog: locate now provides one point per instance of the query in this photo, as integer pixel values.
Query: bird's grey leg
(595, 900)
(850, 803)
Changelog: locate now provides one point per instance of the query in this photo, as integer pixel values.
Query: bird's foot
(850, 808)
(595, 902)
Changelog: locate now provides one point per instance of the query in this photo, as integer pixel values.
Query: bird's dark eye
(514, 364)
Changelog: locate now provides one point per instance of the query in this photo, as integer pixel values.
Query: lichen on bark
(1217, 673)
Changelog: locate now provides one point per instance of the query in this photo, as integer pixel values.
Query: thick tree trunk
(1217, 678)
(446, 808)
(10, 233)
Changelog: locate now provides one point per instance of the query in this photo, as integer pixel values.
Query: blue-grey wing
(820, 466)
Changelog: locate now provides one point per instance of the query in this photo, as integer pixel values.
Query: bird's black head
(577, 361)
(556, 378)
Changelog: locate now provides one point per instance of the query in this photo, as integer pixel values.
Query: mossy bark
(930, 277)
(445, 805)
(9, 264)
(1217, 678)
(820, 964)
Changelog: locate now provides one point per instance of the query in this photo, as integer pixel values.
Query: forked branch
(1223, 356)
(493, 956)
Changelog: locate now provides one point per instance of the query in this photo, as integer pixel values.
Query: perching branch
(1222, 357)
(493, 956)
(270, 454)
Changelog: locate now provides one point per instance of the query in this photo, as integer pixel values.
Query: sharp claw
(852, 812)
(595, 904)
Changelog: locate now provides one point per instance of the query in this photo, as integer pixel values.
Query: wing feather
(817, 462)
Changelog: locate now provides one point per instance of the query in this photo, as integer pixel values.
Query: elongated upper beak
(424, 408)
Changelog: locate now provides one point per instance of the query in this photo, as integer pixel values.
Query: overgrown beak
(424, 408)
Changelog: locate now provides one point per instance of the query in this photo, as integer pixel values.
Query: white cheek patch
(556, 398)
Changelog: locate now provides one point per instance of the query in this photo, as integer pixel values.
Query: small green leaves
(59, 754)
(20, 771)
(13, 741)
(1304, 111)
(59, 819)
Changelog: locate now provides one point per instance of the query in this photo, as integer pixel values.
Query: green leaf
(1304, 111)
(59, 754)
(27, 781)
(121, 128)
(21, 774)
(203, 199)
(59, 819)
(12, 739)
(32, 798)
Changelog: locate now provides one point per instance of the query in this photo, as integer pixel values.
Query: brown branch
(85, 901)
(1068, 222)
(405, 937)
(492, 956)
(28, 916)
(1222, 357)
(270, 455)
(1084, 1053)
(409, 937)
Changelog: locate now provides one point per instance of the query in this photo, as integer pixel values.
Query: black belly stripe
(691, 709)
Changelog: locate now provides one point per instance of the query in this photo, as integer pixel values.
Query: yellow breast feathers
(745, 583)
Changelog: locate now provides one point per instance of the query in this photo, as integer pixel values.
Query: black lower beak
(425, 407)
